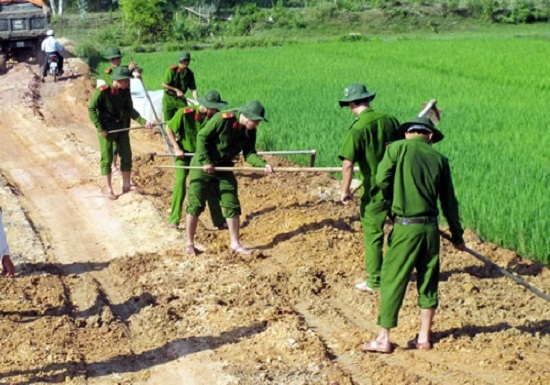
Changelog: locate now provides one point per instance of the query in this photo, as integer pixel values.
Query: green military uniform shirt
(112, 109)
(220, 140)
(423, 177)
(180, 78)
(365, 143)
(185, 124)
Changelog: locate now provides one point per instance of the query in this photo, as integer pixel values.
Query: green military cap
(212, 99)
(121, 73)
(355, 92)
(421, 124)
(254, 110)
(184, 56)
(112, 53)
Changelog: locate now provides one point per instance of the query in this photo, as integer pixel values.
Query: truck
(23, 26)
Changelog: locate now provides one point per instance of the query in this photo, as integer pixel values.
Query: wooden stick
(311, 152)
(503, 271)
(134, 128)
(261, 169)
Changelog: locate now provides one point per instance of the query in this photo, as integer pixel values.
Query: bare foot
(376, 347)
(131, 188)
(8, 269)
(241, 250)
(112, 196)
(190, 250)
(414, 344)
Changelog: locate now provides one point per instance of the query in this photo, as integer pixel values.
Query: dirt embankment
(105, 294)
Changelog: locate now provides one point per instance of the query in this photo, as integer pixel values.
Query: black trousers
(59, 62)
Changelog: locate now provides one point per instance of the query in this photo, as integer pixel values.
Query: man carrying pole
(113, 55)
(365, 143)
(111, 109)
(222, 139)
(414, 176)
(176, 81)
(181, 132)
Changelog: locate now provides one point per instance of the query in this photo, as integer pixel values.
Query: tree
(143, 18)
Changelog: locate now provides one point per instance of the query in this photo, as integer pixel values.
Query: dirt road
(105, 294)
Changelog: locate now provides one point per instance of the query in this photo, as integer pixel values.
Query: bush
(90, 54)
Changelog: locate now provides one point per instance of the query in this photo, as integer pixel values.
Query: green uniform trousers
(373, 217)
(107, 148)
(223, 187)
(178, 195)
(170, 105)
(409, 246)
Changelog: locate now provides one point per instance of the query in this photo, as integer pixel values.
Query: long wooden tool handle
(310, 152)
(503, 271)
(261, 169)
(126, 129)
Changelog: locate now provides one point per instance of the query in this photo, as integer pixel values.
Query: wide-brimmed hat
(184, 56)
(212, 99)
(254, 110)
(421, 124)
(112, 53)
(354, 92)
(121, 73)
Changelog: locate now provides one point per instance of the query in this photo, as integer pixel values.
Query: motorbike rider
(51, 46)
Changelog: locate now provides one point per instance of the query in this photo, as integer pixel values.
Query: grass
(493, 89)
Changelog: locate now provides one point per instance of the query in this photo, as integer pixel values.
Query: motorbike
(53, 69)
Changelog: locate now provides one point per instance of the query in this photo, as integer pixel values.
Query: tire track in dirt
(40, 161)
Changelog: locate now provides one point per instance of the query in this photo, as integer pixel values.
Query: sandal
(190, 250)
(376, 347)
(363, 286)
(131, 188)
(242, 250)
(414, 344)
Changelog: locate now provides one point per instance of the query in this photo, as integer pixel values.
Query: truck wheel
(3, 59)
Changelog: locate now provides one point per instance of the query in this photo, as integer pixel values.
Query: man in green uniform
(222, 139)
(111, 109)
(420, 177)
(176, 81)
(114, 57)
(181, 131)
(365, 143)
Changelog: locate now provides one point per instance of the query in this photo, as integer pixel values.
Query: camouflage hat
(355, 92)
(184, 56)
(212, 99)
(112, 53)
(121, 73)
(254, 110)
(420, 124)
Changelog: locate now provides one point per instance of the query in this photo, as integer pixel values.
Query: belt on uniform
(408, 221)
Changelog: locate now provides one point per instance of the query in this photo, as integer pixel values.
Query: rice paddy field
(494, 92)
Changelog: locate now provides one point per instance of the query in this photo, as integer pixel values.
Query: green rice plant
(493, 91)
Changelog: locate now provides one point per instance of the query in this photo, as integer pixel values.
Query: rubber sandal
(190, 250)
(131, 188)
(364, 287)
(376, 347)
(242, 250)
(414, 344)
